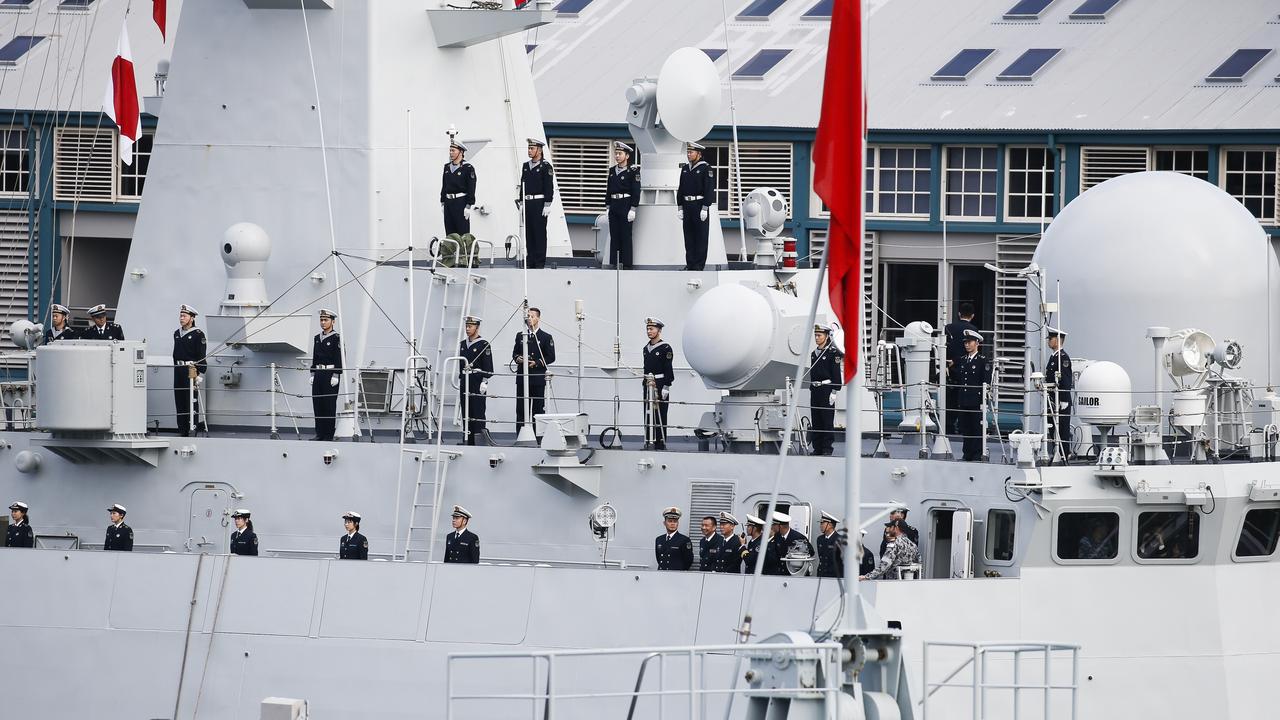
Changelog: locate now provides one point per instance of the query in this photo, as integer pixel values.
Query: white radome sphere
(727, 334)
(1158, 249)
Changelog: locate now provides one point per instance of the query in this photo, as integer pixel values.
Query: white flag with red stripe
(121, 104)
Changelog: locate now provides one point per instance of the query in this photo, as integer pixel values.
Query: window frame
(1154, 160)
(1120, 533)
(995, 192)
(874, 186)
(986, 537)
(1152, 510)
(1054, 198)
(1235, 541)
(122, 172)
(1223, 172)
(25, 152)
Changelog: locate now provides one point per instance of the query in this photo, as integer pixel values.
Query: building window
(15, 162)
(1173, 535)
(898, 181)
(1029, 183)
(132, 179)
(1000, 535)
(1088, 536)
(1259, 534)
(970, 183)
(1250, 177)
(764, 164)
(1188, 161)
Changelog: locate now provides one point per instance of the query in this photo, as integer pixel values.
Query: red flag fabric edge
(158, 12)
(838, 174)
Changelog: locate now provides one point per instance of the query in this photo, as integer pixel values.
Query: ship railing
(999, 668)
(693, 682)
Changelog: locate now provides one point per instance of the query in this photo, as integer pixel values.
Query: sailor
(899, 515)
(673, 549)
(326, 366)
(825, 378)
(353, 545)
(542, 352)
(830, 554)
(731, 550)
(189, 366)
(866, 561)
(538, 188)
(473, 378)
(695, 196)
(658, 376)
(1061, 381)
(101, 329)
(955, 349)
(971, 371)
(457, 190)
(782, 541)
(901, 551)
(709, 545)
(244, 541)
(19, 533)
(461, 545)
(751, 549)
(119, 535)
(622, 195)
(58, 328)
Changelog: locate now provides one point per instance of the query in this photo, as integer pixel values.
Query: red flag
(158, 14)
(121, 103)
(838, 158)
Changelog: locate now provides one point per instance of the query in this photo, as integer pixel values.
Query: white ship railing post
(274, 432)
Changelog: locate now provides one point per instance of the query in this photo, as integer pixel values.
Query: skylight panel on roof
(1093, 9)
(1238, 65)
(762, 63)
(17, 47)
(1027, 10)
(821, 10)
(1029, 63)
(760, 9)
(713, 53)
(571, 7)
(959, 67)
(16, 2)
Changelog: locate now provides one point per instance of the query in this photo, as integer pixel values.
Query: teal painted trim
(50, 246)
(935, 184)
(1072, 188)
(717, 134)
(126, 208)
(1000, 158)
(35, 244)
(801, 191)
(1263, 136)
(1056, 201)
(1215, 153)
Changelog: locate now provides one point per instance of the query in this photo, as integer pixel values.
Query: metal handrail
(635, 697)
(979, 685)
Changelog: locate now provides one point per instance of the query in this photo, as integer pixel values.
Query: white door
(208, 531)
(962, 544)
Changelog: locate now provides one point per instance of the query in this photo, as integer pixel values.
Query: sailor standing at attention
(542, 352)
(19, 533)
(731, 552)
(709, 545)
(1058, 375)
(658, 376)
(461, 545)
(353, 545)
(673, 549)
(326, 362)
(971, 372)
(119, 535)
(473, 379)
(457, 190)
(244, 541)
(101, 329)
(189, 366)
(538, 187)
(622, 195)
(58, 328)
(696, 194)
(830, 555)
(825, 378)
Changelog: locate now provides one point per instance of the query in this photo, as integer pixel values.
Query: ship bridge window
(1259, 535)
(1088, 536)
(1168, 535)
(1000, 535)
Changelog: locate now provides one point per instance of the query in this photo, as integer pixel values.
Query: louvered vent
(1013, 253)
(707, 497)
(764, 164)
(870, 291)
(15, 272)
(582, 168)
(1099, 164)
(817, 245)
(84, 164)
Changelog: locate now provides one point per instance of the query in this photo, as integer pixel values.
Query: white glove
(546, 211)
(466, 213)
(312, 377)
(199, 380)
(333, 381)
(631, 215)
(484, 387)
(666, 392)
(680, 214)
(1063, 406)
(703, 215)
(832, 399)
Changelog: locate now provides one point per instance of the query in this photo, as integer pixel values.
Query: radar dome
(727, 334)
(1159, 248)
(1103, 394)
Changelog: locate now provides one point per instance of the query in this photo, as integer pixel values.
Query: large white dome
(1160, 249)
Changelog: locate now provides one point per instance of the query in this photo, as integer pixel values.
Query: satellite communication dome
(1103, 394)
(1159, 248)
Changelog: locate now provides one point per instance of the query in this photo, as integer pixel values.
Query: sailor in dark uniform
(673, 549)
(189, 367)
(542, 352)
(1061, 381)
(622, 195)
(353, 545)
(101, 329)
(709, 545)
(971, 371)
(119, 535)
(244, 541)
(457, 190)
(538, 188)
(830, 554)
(731, 549)
(58, 328)
(19, 533)
(695, 196)
(866, 560)
(658, 376)
(473, 379)
(751, 549)
(825, 379)
(326, 366)
(955, 350)
(461, 545)
(782, 541)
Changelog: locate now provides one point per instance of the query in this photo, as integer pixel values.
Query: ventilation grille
(1099, 164)
(375, 390)
(15, 273)
(1013, 253)
(582, 168)
(764, 164)
(84, 164)
(707, 497)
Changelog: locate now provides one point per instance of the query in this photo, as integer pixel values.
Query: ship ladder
(420, 538)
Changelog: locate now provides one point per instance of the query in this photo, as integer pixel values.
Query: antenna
(688, 94)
